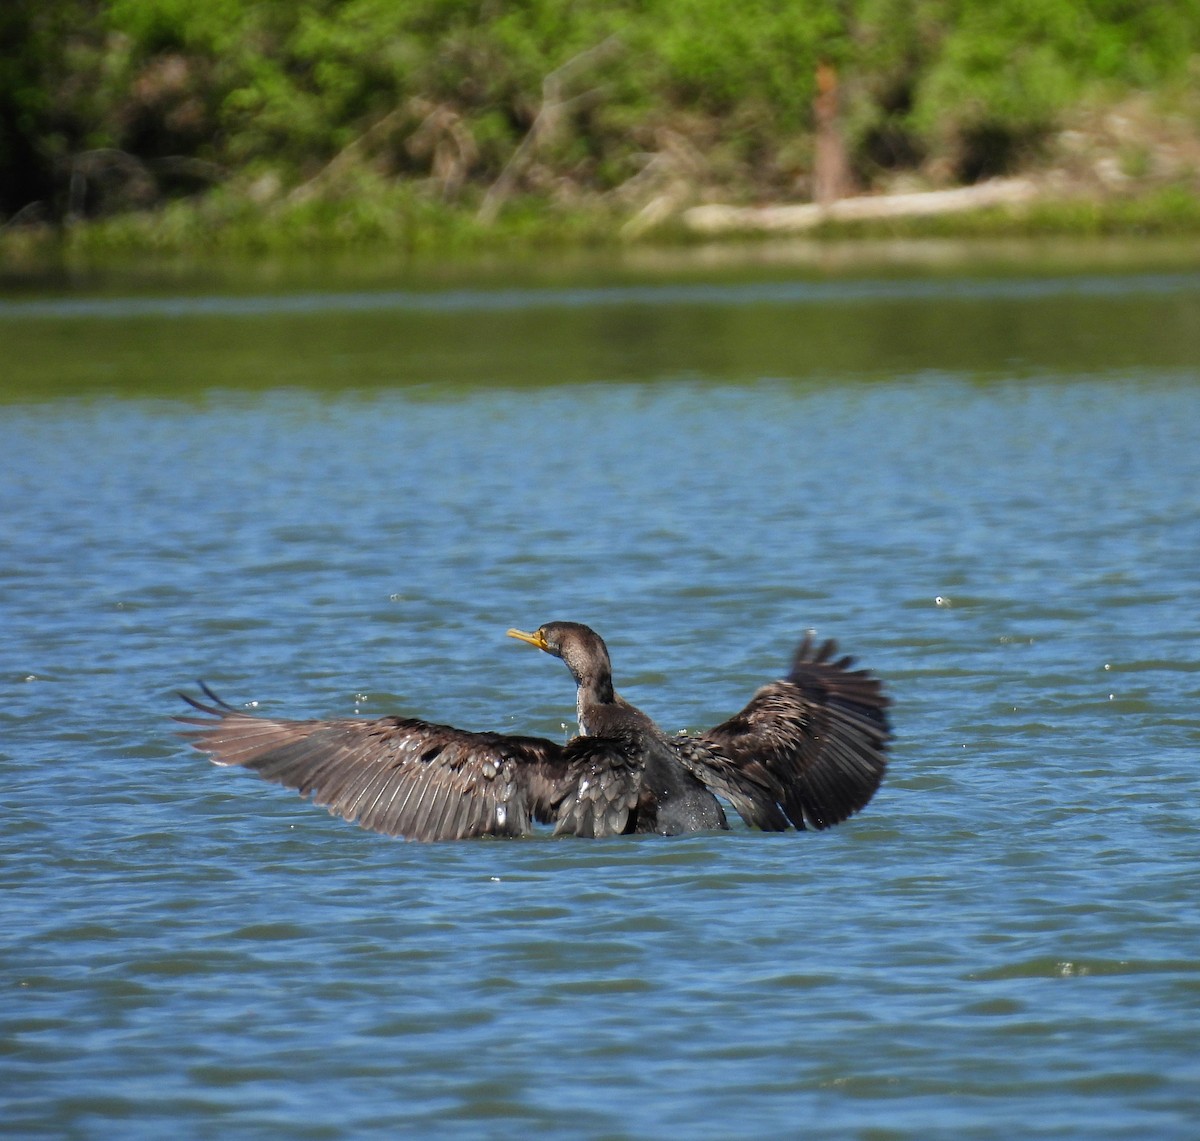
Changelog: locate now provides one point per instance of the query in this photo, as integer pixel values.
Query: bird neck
(596, 691)
(591, 695)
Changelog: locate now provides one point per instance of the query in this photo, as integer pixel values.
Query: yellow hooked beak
(534, 639)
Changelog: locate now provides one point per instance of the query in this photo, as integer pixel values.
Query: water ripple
(1004, 944)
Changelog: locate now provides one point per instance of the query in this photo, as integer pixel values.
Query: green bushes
(125, 103)
(1006, 72)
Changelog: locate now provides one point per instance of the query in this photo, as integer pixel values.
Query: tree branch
(554, 106)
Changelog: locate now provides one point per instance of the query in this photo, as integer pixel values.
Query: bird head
(579, 646)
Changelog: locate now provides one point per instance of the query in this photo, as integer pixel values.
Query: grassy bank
(400, 221)
(453, 126)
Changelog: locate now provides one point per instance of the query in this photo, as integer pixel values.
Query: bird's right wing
(808, 750)
(411, 778)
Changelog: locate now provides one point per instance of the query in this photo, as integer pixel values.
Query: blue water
(1004, 944)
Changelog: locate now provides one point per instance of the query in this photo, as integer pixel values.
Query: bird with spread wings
(808, 751)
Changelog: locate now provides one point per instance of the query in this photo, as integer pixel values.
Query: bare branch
(555, 105)
(346, 157)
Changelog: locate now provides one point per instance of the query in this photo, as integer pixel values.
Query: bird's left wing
(398, 776)
(808, 750)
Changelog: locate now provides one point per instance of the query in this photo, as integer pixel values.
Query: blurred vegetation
(420, 120)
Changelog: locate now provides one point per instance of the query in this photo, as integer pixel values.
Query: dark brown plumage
(808, 750)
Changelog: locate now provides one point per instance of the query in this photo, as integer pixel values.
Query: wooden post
(831, 166)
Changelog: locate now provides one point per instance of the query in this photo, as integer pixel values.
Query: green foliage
(1011, 69)
(439, 94)
(716, 54)
(43, 75)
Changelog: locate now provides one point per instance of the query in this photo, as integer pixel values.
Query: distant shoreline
(397, 221)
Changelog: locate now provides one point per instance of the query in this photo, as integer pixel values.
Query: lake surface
(335, 501)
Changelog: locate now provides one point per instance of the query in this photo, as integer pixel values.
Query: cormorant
(808, 751)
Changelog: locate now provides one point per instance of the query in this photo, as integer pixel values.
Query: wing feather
(398, 776)
(603, 787)
(808, 750)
